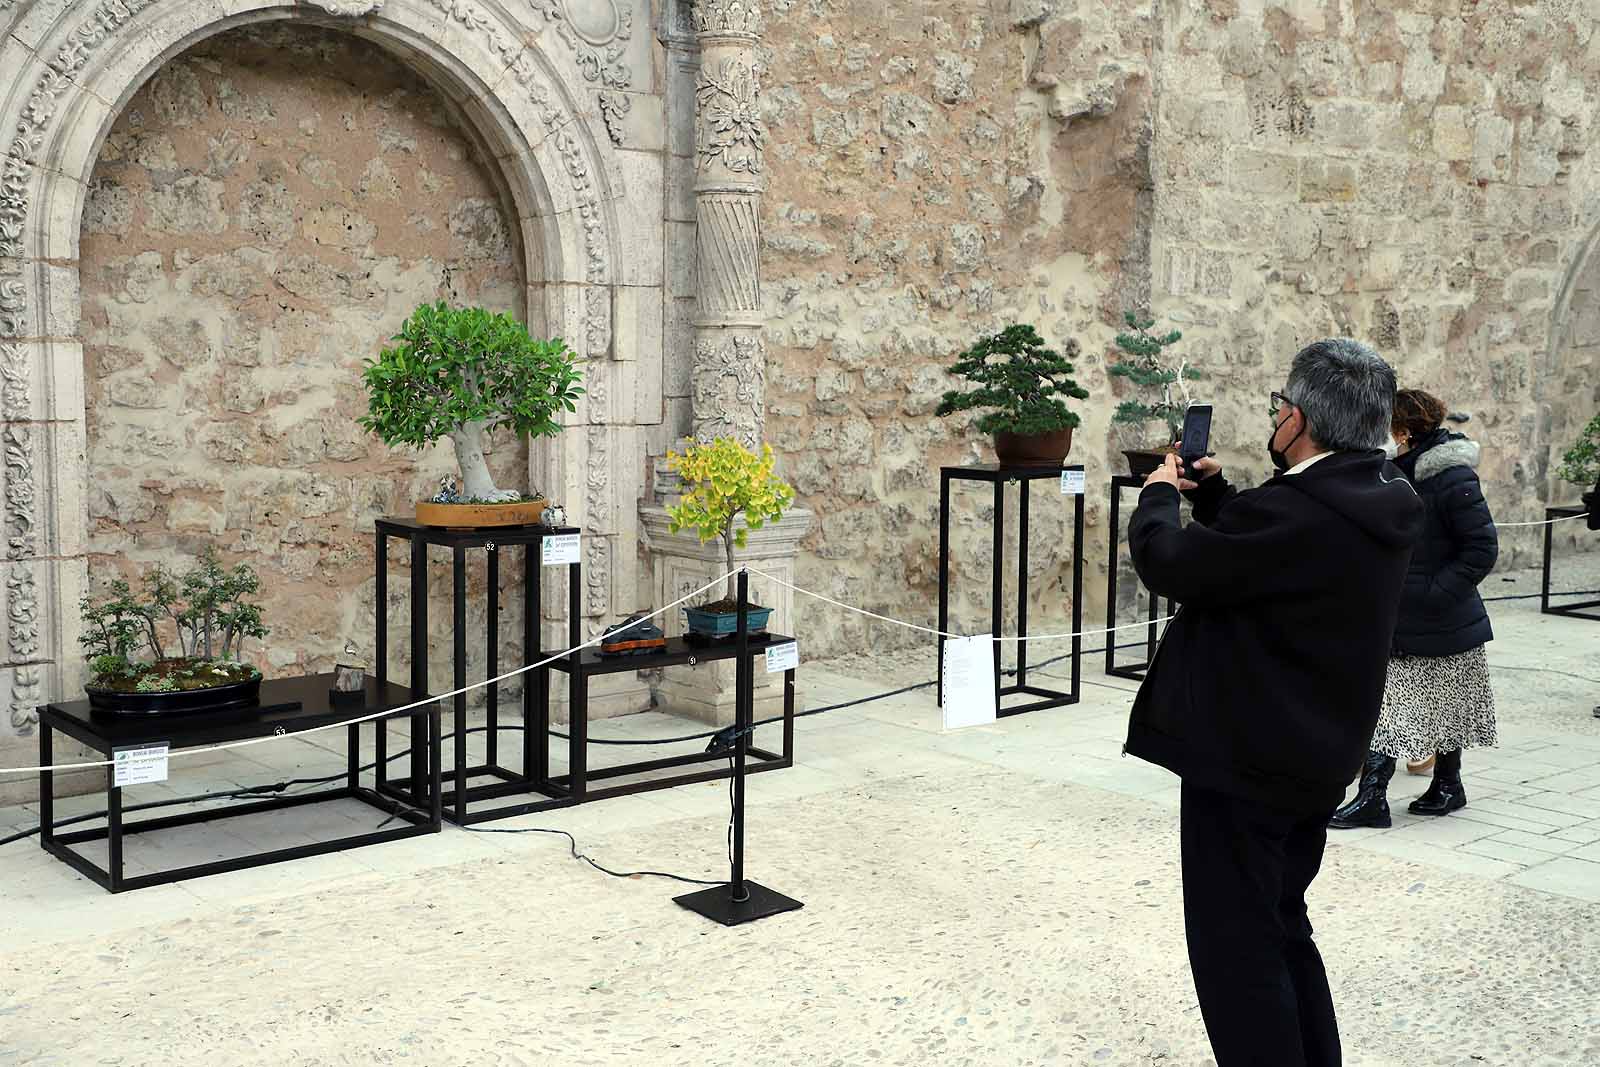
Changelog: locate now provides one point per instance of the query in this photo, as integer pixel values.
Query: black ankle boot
(1446, 793)
(1370, 806)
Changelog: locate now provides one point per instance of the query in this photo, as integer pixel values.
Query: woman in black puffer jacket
(1436, 699)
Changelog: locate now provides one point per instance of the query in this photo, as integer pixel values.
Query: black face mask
(1280, 459)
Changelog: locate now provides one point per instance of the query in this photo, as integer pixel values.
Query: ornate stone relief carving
(597, 322)
(614, 106)
(27, 693)
(598, 32)
(728, 16)
(22, 612)
(728, 387)
(728, 127)
(20, 541)
(352, 9)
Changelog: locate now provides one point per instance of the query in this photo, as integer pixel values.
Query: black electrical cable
(573, 844)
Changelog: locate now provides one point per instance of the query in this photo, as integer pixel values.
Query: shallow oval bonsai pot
(1143, 462)
(725, 623)
(104, 701)
(476, 516)
(1033, 450)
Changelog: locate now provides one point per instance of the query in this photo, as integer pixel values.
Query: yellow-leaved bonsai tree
(724, 481)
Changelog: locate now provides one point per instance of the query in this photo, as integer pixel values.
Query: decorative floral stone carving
(598, 32)
(728, 16)
(613, 106)
(22, 612)
(728, 387)
(19, 491)
(27, 693)
(729, 129)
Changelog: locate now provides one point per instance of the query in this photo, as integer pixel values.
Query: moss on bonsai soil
(177, 675)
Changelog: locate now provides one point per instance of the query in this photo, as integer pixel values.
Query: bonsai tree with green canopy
(1020, 379)
(724, 481)
(462, 372)
(1580, 464)
(1163, 376)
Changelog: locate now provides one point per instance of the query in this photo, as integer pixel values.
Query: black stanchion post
(739, 901)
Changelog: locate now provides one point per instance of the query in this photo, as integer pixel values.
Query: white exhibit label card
(1073, 482)
(560, 549)
(968, 667)
(784, 657)
(139, 766)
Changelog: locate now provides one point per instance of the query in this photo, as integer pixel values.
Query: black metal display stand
(680, 652)
(742, 901)
(1574, 611)
(534, 777)
(1135, 671)
(998, 476)
(287, 705)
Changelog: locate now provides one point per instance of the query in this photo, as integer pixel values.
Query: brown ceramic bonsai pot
(475, 516)
(1033, 450)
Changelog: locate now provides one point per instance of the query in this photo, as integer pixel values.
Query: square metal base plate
(717, 903)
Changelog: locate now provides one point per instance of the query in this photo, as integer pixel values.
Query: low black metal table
(998, 476)
(1580, 610)
(287, 705)
(1135, 671)
(503, 782)
(680, 652)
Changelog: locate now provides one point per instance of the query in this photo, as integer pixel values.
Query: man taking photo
(1266, 687)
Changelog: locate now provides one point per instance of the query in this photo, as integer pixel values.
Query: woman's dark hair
(1417, 413)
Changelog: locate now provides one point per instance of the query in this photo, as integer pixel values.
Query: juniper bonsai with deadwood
(1151, 368)
(1021, 379)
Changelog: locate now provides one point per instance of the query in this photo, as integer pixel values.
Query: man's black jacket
(1267, 685)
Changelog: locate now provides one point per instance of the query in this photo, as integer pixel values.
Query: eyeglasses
(1279, 402)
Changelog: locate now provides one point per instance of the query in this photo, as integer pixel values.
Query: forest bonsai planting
(461, 373)
(1022, 383)
(176, 634)
(1163, 379)
(725, 482)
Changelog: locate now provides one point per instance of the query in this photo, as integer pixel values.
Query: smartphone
(1196, 437)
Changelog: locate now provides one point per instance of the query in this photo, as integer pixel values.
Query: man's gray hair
(1346, 391)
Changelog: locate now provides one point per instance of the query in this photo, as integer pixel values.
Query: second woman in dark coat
(1437, 699)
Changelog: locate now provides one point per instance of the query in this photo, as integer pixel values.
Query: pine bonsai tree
(1153, 370)
(460, 372)
(1021, 379)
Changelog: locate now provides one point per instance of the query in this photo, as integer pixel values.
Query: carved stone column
(728, 377)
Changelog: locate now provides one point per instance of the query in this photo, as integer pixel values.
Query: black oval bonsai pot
(213, 698)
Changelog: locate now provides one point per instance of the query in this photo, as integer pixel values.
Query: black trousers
(1263, 992)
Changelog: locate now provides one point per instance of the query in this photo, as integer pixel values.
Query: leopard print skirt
(1435, 704)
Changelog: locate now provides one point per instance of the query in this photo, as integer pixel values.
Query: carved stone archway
(546, 84)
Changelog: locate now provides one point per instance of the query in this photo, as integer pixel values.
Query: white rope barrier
(1015, 638)
(388, 713)
(394, 712)
(1544, 522)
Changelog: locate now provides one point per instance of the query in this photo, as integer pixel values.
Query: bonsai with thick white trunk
(461, 372)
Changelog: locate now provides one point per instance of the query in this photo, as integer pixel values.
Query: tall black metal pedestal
(740, 901)
(998, 476)
(1134, 671)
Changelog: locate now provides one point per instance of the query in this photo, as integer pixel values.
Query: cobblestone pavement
(1002, 895)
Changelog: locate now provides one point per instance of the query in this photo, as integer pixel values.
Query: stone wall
(265, 212)
(940, 170)
(1417, 174)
